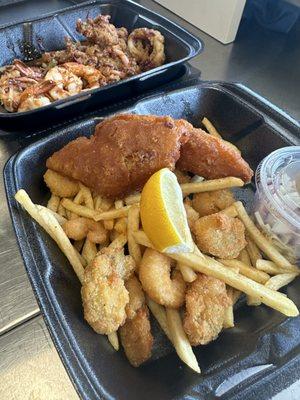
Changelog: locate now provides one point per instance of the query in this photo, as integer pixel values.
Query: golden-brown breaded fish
(123, 153)
(212, 158)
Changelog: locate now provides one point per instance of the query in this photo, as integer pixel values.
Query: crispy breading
(103, 292)
(191, 213)
(60, 185)
(206, 302)
(220, 235)
(136, 296)
(136, 337)
(123, 153)
(212, 158)
(207, 203)
(162, 284)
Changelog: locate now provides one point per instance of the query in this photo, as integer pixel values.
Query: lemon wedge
(163, 214)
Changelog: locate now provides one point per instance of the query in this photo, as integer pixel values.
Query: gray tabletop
(267, 62)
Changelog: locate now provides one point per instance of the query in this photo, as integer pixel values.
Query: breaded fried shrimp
(220, 235)
(163, 286)
(206, 302)
(136, 337)
(191, 213)
(60, 185)
(136, 296)
(80, 228)
(103, 291)
(207, 203)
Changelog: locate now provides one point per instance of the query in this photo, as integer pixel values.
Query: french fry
(229, 211)
(235, 295)
(79, 198)
(197, 187)
(84, 211)
(278, 281)
(121, 225)
(87, 195)
(259, 238)
(89, 250)
(228, 316)
(119, 241)
(247, 270)
(187, 273)
(132, 199)
(209, 267)
(114, 340)
(211, 185)
(53, 203)
(109, 224)
(78, 209)
(271, 268)
(61, 220)
(160, 315)
(181, 343)
(253, 251)
(119, 204)
(61, 210)
(49, 223)
(253, 301)
(106, 204)
(82, 259)
(133, 224)
(244, 257)
(113, 214)
(97, 203)
(210, 128)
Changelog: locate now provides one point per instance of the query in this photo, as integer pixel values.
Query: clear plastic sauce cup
(277, 200)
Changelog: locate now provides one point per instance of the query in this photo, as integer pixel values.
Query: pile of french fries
(259, 272)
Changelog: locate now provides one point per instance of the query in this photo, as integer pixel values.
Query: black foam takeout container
(47, 33)
(255, 359)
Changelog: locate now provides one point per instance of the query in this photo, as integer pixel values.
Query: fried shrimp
(61, 185)
(147, 47)
(206, 302)
(207, 203)
(103, 291)
(136, 337)
(136, 296)
(159, 283)
(90, 75)
(220, 235)
(191, 213)
(80, 228)
(66, 83)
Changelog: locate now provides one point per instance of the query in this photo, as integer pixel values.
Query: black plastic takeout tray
(48, 33)
(255, 359)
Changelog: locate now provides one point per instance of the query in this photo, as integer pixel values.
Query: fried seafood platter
(107, 55)
(145, 213)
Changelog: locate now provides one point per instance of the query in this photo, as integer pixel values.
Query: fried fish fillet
(123, 153)
(212, 158)
(127, 149)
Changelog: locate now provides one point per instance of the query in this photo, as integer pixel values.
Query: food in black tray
(109, 54)
(184, 247)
